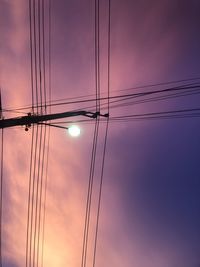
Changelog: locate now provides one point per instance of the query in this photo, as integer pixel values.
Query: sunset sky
(150, 205)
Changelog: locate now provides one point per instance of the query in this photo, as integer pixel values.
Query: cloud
(142, 220)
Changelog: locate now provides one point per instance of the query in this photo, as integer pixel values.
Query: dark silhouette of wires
(100, 193)
(105, 140)
(29, 225)
(89, 195)
(37, 179)
(45, 197)
(181, 113)
(39, 134)
(35, 195)
(32, 25)
(48, 132)
(109, 49)
(31, 52)
(35, 54)
(32, 197)
(95, 139)
(40, 193)
(169, 114)
(125, 96)
(63, 102)
(39, 54)
(44, 54)
(156, 98)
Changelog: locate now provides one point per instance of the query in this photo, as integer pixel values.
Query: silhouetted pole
(32, 118)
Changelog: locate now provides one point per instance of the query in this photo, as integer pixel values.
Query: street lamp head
(74, 131)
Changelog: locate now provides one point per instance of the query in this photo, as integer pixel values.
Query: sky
(151, 189)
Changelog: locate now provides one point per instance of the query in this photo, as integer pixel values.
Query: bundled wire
(100, 193)
(105, 140)
(48, 133)
(40, 137)
(45, 198)
(95, 143)
(89, 196)
(187, 87)
(95, 139)
(38, 182)
(170, 114)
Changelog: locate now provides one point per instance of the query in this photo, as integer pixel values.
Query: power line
(124, 103)
(32, 215)
(37, 178)
(28, 240)
(89, 195)
(48, 136)
(41, 192)
(31, 51)
(123, 100)
(39, 54)
(95, 138)
(59, 102)
(44, 54)
(122, 96)
(35, 53)
(187, 91)
(45, 197)
(158, 113)
(100, 194)
(109, 54)
(105, 139)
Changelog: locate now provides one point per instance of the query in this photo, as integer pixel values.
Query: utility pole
(30, 119)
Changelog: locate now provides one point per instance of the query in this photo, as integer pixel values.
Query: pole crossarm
(32, 118)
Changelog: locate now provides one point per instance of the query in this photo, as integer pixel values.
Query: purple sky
(150, 212)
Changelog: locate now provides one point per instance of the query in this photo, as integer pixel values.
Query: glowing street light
(74, 131)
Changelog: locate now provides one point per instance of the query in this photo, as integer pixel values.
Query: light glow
(74, 131)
